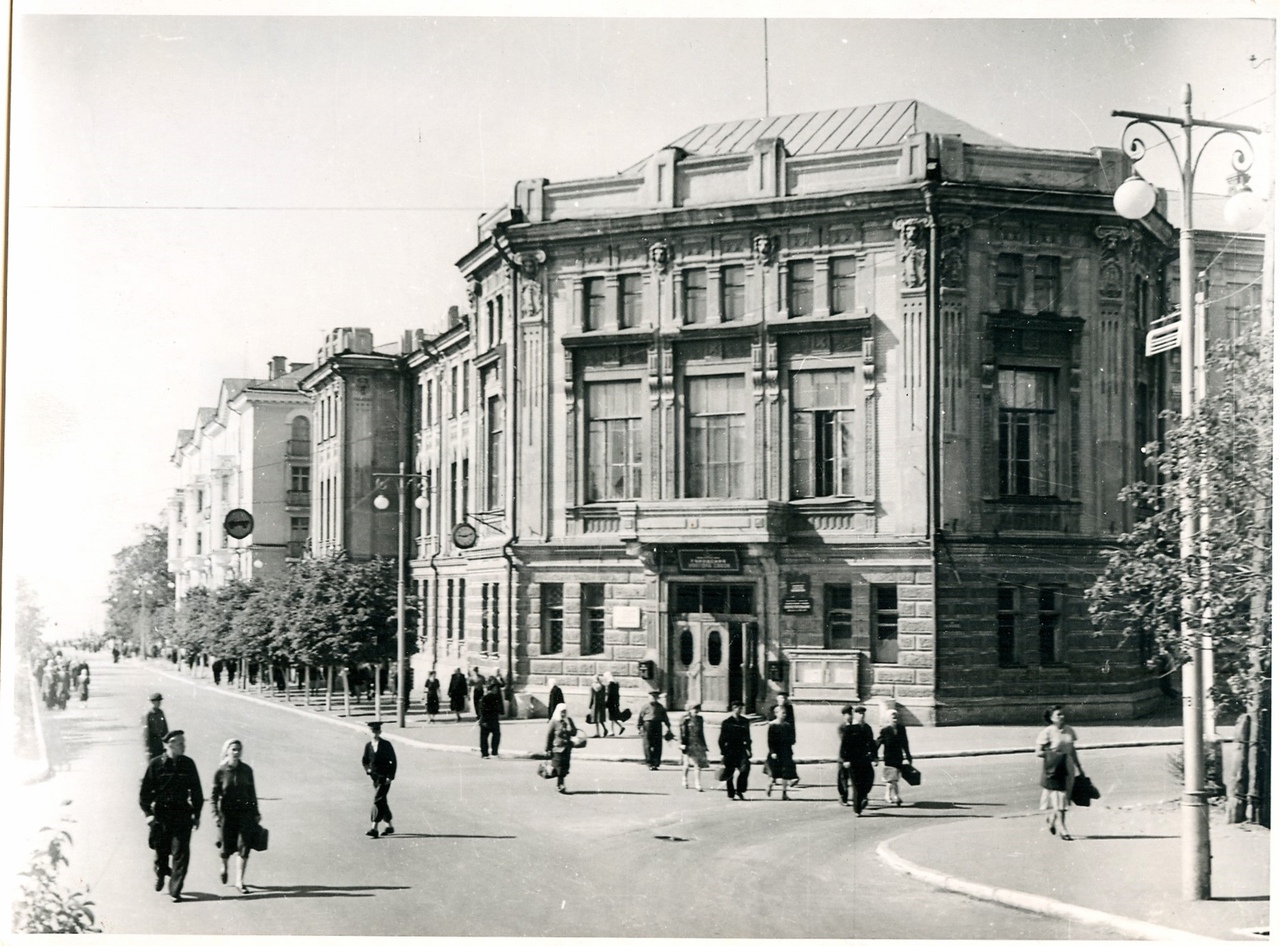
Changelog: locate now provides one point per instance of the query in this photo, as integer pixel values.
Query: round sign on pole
(238, 524)
(464, 535)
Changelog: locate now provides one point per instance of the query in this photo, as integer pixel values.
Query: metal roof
(833, 130)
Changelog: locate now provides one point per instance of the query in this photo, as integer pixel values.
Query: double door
(709, 660)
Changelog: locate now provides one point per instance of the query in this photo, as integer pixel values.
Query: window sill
(605, 336)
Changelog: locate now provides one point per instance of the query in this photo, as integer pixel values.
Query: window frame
(800, 301)
(693, 293)
(594, 305)
(552, 617)
(804, 427)
(733, 295)
(885, 617)
(1007, 648)
(735, 436)
(837, 613)
(598, 432)
(630, 300)
(592, 618)
(1039, 427)
(843, 287)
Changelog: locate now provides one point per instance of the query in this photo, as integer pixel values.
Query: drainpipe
(933, 319)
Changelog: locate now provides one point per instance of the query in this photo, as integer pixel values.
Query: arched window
(686, 647)
(301, 429)
(714, 647)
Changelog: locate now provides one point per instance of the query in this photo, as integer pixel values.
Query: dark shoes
(223, 875)
(177, 898)
(371, 833)
(388, 830)
(159, 882)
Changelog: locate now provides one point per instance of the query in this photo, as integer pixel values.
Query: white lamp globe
(381, 502)
(421, 502)
(1134, 199)
(1244, 210)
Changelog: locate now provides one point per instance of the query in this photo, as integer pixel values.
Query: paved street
(487, 848)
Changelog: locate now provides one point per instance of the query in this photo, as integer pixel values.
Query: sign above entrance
(709, 561)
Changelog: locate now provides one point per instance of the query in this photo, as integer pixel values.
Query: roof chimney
(276, 367)
(454, 318)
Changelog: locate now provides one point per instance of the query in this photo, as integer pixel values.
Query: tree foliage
(140, 567)
(29, 621)
(1225, 445)
(44, 904)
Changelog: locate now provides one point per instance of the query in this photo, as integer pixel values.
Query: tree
(44, 904)
(29, 622)
(1224, 448)
(140, 580)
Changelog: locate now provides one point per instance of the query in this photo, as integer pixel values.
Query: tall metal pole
(400, 517)
(1195, 811)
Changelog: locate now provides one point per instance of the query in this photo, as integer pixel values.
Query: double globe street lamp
(1134, 199)
(381, 502)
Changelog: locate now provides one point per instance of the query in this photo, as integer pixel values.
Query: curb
(1036, 903)
(588, 756)
(40, 768)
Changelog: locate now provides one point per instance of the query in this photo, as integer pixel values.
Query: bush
(43, 905)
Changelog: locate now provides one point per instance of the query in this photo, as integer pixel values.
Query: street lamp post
(1134, 199)
(381, 502)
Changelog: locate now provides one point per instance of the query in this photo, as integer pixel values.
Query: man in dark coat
(154, 728)
(457, 692)
(477, 691)
(379, 763)
(492, 707)
(896, 753)
(857, 753)
(735, 751)
(554, 698)
(653, 718)
(171, 799)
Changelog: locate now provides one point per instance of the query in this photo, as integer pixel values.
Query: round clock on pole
(464, 535)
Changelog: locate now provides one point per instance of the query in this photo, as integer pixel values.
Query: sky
(190, 195)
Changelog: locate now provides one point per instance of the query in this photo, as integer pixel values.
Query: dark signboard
(709, 561)
(795, 598)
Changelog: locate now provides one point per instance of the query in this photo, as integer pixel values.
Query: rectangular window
(592, 619)
(501, 317)
(495, 619)
(493, 335)
(1009, 282)
(843, 272)
(1006, 627)
(462, 609)
(453, 493)
(484, 617)
(453, 391)
(1028, 432)
(493, 458)
(466, 486)
(430, 399)
(448, 610)
(429, 496)
(613, 440)
(800, 288)
(199, 543)
(631, 300)
(593, 304)
(733, 293)
(695, 296)
(839, 617)
(1048, 283)
(1050, 642)
(466, 387)
(822, 433)
(716, 441)
(299, 527)
(224, 487)
(552, 618)
(884, 644)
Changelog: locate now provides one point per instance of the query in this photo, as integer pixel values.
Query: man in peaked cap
(154, 728)
(171, 799)
(379, 763)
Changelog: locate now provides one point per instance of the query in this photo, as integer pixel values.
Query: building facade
(251, 452)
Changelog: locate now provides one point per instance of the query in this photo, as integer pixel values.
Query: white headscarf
(225, 757)
(561, 711)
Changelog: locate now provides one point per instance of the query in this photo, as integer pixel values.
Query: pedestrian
(115, 654)
(693, 746)
(857, 754)
(492, 707)
(788, 708)
(82, 683)
(1056, 747)
(432, 686)
(217, 672)
(171, 799)
(613, 703)
(379, 763)
(560, 734)
(234, 799)
(554, 697)
(735, 751)
(154, 728)
(782, 740)
(652, 720)
(596, 707)
(477, 690)
(894, 750)
(457, 693)
(64, 684)
(230, 667)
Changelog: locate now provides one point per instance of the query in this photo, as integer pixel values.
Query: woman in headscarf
(782, 737)
(596, 707)
(235, 808)
(560, 733)
(432, 687)
(613, 704)
(1056, 747)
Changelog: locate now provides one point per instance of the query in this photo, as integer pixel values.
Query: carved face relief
(659, 256)
(763, 246)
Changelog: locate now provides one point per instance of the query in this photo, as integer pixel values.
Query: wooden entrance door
(701, 662)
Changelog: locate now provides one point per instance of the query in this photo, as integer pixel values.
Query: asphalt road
(485, 847)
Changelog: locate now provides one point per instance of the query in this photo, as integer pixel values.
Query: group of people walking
(58, 678)
(172, 800)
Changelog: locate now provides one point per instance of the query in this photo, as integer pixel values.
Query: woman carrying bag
(562, 737)
(234, 799)
(1060, 767)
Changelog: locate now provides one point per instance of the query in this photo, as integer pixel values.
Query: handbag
(591, 718)
(547, 769)
(155, 835)
(910, 774)
(578, 740)
(722, 774)
(258, 837)
(1083, 791)
(625, 715)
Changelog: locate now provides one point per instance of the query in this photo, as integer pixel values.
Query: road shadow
(1124, 837)
(600, 791)
(1256, 898)
(305, 890)
(470, 837)
(952, 805)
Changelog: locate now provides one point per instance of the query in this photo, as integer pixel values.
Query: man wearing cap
(154, 728)
(735, 751)
(857, 753)
(171, 799)
(650, 723)
(380, 765)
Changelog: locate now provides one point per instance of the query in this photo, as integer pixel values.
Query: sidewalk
(1119, 875)
(1107, 876)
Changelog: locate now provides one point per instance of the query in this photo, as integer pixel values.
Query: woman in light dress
(1056, 747)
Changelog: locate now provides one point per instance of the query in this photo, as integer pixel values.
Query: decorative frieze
(952, 251)
(914, 254)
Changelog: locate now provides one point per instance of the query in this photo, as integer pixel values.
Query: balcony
(298, 497)
(687, 521)
(298, 449)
